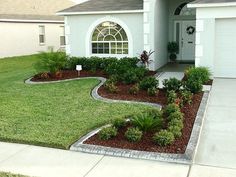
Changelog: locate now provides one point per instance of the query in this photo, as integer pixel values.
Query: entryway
(184, 35)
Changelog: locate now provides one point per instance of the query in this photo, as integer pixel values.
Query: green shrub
(155, 113)
(172, 84)
(201, 74)
(176, 115)
(141, 72)
(152, 91)
(145, 122)
(119, 123)
(164, 138)
(177, 131)
(186, 96)
(51, 62)
(130, 77)
(176, 123)
(133, 134)
(171, 97)
(171, 108)
(110, 86)
(149, 82)
(134, 89)
(107, 133)
(192, 85)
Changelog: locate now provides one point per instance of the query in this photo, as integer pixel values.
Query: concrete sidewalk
(47, 162)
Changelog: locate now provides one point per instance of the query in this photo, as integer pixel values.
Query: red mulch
(146, 144)
(67, 74)
(123, 94)
(71, 74)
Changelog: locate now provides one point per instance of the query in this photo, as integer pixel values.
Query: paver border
(185, 158)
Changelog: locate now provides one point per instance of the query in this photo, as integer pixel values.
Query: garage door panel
(225, 48)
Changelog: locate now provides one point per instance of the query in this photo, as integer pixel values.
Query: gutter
(223, 4)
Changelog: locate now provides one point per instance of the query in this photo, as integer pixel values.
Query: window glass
(109, 38)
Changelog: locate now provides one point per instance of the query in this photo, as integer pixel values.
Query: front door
(186, 34)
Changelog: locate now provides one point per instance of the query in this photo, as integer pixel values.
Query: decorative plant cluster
(153, 121)
(137, 126)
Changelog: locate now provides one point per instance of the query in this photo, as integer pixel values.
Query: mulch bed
(146, 144)
(142, 96)
(72, 74)
(66, 74)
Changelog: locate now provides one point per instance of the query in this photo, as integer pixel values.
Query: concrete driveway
(217, 145)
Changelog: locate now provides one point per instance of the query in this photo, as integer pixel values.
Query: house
(204, 30)
(30, 26)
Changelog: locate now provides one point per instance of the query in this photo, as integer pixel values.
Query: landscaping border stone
(185, 158)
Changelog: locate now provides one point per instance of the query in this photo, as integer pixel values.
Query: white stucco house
(204, 30)
(30, 26)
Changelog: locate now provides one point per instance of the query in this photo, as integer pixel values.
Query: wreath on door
(190, 30)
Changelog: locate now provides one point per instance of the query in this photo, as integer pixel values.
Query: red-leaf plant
(145, 57)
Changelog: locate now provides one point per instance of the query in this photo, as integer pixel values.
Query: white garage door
(225, 51)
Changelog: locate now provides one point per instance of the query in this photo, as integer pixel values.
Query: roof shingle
(106, 5)
(33, 9)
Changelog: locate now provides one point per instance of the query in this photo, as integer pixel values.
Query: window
(184, 10)
(109, 38)
(62, 36)
(41, 34)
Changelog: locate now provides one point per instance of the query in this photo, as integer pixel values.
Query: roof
(211, 1)
(106, 5)
(33, 9)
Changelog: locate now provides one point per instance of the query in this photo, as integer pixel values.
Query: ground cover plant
(54, 115)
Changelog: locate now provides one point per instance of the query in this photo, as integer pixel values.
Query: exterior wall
(79, 29)
(23, 38)
(205, 37)
(155, 24)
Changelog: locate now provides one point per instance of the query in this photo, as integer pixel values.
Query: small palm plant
(173, 50)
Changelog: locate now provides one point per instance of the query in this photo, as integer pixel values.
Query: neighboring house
(204, 29)
(31, 26)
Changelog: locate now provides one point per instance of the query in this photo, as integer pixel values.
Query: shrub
(164, 138)
(51, 62)
(172, 84)
(145, 122)
(133, 134)
(155, 113)
(110, 86)
(176, 123)
(171, 97)
(201, 74)
(177, 131)
(130, 77)
(171, 108)
(141, 72)
(192, 85)
(176, 115)
(119, 123)
(134, 90)
(149, 82)
(107, 133)
(186, 96)
(152, 91)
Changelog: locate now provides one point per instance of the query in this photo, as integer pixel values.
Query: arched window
(109, 38)
(184, 10)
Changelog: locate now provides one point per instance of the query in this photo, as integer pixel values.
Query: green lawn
(9, 175)
(54, 115)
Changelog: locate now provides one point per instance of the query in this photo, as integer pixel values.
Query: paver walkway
(216, 155)
(168, 75)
